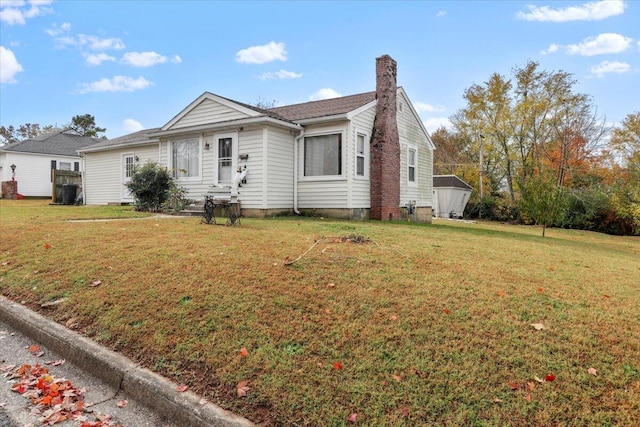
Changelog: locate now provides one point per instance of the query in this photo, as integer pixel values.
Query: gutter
(228, 124)
(295, 171)
(117, 146)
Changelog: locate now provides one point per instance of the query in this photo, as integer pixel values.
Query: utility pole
(480, 175)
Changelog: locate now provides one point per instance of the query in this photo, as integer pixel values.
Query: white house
(450, 196)
(34, 159)
(335, 157)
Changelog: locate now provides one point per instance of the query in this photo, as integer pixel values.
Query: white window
(129, 166)
(323, 155)
(362, 156)
(64, 166)
(412, 157)
(185, 158)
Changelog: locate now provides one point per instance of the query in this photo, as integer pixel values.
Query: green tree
(543, 201)
(85, 125)
(10, 134)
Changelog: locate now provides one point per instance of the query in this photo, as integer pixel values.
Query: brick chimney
(385, 145)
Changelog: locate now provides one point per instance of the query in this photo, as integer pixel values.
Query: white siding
(33, 171)
(360, 188)
(280, 168)
(251, 142)
(410, 132)
(325, 193)
(208, 111)
(103, 173)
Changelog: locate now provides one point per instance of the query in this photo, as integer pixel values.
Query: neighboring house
(360, 156)
(34, 159)
(450, 196)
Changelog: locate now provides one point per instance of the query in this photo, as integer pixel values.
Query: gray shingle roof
(139, 136)
(326, 107)
(61, 143)
(450, 181)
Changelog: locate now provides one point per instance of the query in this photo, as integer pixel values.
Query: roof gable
(210, 108)
(416, 116)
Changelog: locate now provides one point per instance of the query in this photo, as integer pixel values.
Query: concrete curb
(120, 373)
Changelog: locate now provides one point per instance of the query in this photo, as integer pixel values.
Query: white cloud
(147, 59)
(17, 12)
(593, 11)
(423, 107)
(601, 44)
(116, 84)
(9, 66)
(441, 13)
(432, 124)
(88, 41)
(282, 74)
(98, 59)
(271, 51)
(610, 67)
(552, 48)
(56, 30)
(325, 93)
(130, 125)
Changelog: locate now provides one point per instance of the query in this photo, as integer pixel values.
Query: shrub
(176, 200)
(150, 186)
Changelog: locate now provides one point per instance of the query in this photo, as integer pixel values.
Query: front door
(128, 166)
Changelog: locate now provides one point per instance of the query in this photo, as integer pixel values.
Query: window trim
(173, 166)
(413, 183)
(343, 173)
(234, 156)
(366, 155)
(67, 166)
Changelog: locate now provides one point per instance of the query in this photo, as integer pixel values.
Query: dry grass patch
(403, 324)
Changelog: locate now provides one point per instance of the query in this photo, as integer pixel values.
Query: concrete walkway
(108, 377)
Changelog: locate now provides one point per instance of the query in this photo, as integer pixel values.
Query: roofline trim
(116, 146)
(227, 124)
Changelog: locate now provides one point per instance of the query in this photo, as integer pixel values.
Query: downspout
(83, 157)
(295, 171)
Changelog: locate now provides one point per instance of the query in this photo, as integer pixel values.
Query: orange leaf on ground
(593, 371)
(550, 377)
(393, 317)
(337, 365)
(398, 378)
(501, 293)
(513, 386)
(47, 246)
(528, 398)
(182, 388)
(352, 418)
(447, 311)
(606, 296)
(540, 290)
(244, 352)
(531, 385)
(243, 388)
(122, 404)
(33, 348)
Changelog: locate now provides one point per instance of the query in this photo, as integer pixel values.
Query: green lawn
(399, 323)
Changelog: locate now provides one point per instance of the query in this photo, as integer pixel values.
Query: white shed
(450, 196)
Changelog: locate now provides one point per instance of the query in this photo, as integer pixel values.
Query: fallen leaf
(33, 349)
(327, 310)
(47, 246)
(352, 418)
(513, 386)
(243, 388)
(72, 322)
(606, 296)
(540, 380)
(331, 285)
(337, 365)
(404, 411)
(538, 326)
(447, 311)
(593, 371)
(122, 404)
(398, 378)
(55, 362)
(501, 294)
(550, 377)
(6, 263)
(528, 398)
(203, 401)
(540, 290)
(496, 400)
(393, 317)
(182, 388)
(531, 385)
(244, 352)
(95, 283)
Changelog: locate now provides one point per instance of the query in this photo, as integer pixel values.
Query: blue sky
(136, 64)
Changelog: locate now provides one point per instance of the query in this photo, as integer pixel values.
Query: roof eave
(228, 124)
(323, 119)
(116, 146)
